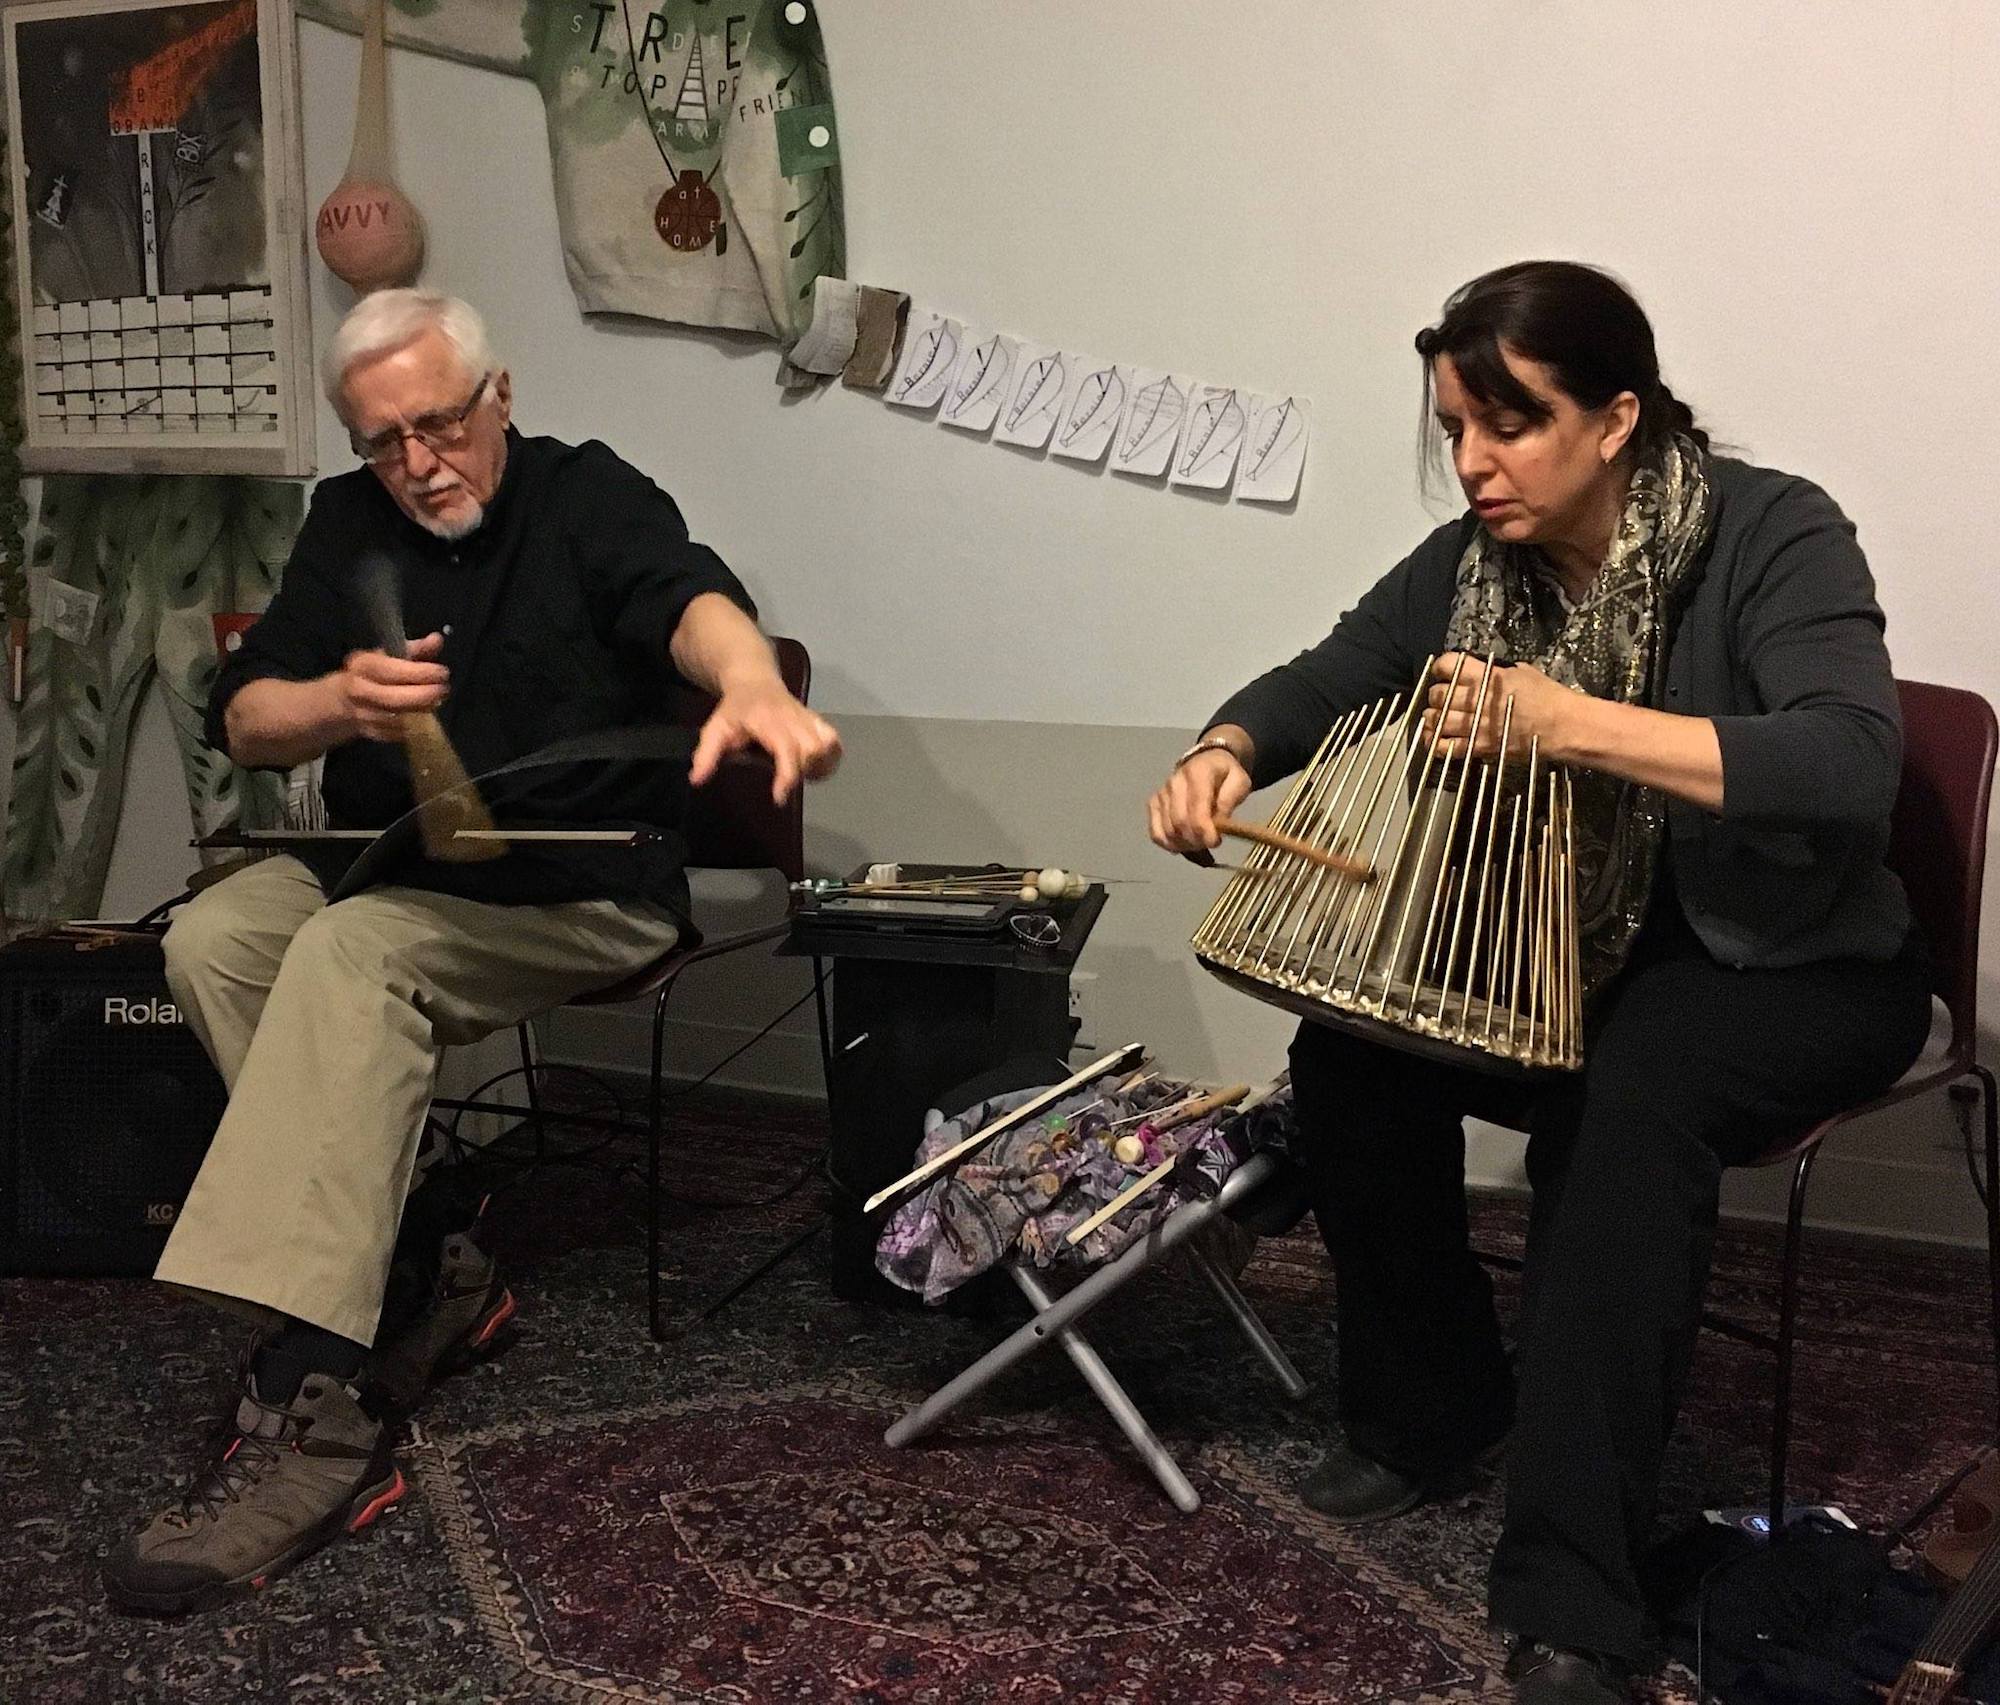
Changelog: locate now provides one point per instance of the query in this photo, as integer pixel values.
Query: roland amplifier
(107, 1105)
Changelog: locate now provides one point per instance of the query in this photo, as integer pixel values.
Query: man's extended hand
(376, 690)
(801, 745)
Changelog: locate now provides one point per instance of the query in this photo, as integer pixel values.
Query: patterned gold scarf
(1612, 645)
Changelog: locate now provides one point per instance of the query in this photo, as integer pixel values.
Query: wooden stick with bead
(1181, 1116)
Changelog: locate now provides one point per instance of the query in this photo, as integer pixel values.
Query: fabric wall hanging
(129, 574)
(13, 505)
(694, 146)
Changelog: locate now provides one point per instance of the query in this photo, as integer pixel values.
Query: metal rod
(1344, 909)
(1572, 965)
(1521, 905)
(1380, 912)
(1450, 840)
(1458, 914)
(1279, 894)
(1113, 1396)
(1221, 900)
(1423, 846)
(1496, 976)
(1315, 889)
(1499, 777)
(1400, 744)
(1239, 1310)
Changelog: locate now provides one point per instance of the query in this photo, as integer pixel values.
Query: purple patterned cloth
(1026, 1189)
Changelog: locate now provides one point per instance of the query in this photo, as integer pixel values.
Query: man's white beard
(449, 530)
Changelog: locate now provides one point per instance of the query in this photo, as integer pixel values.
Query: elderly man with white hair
(548, 590)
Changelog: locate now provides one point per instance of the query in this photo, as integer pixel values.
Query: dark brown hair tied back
(1577, 321)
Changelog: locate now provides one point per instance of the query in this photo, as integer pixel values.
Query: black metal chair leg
(825, 1029)
(654, 1108)
(1986, 1086)
(777, 1258)
(527, 1040)
(1788, 1301)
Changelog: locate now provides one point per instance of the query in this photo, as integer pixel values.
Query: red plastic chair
(1938, 847)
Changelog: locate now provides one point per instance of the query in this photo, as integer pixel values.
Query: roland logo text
(119, 1009)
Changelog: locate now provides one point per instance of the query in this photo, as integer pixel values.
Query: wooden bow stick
(1117, 1060)
(1358, 869)
(1185, 1114)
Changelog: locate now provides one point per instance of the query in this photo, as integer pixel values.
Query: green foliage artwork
(13, 509)
(134, 568)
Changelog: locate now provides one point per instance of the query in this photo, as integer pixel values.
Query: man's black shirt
(560, 607)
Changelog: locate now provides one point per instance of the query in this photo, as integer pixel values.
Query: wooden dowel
(1263, 837)
(1131, 1193)
(1117, 1060)
(1139, 1186)
(1186, 1112)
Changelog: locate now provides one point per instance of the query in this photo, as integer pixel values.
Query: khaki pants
(326, 1022)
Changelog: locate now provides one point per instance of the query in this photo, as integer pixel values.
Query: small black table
(915, 1014)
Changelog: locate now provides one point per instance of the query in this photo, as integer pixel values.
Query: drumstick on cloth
(446, 799)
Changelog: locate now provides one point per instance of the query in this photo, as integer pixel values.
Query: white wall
(1275, 194)
(1278, 194)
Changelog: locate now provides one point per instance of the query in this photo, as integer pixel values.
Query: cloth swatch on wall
(827, 344)
(695, 149)
(13, 502)
(878, 323)
(133, 572)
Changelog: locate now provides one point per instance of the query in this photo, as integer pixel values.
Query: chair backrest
(731, 822)
(1937, 835)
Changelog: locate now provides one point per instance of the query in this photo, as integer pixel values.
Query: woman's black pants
(1691, 1066)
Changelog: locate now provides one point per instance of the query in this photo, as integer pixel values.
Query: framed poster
(159, 234)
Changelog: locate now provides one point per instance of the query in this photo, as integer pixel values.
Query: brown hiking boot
(295, 1477)
(469, 1305)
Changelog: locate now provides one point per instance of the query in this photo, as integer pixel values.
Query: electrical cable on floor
(1980, 1184)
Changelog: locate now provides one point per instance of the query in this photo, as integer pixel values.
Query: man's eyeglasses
(441, 429)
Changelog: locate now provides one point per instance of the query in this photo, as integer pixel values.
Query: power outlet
(1083, 1007)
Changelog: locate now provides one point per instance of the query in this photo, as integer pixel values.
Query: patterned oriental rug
(718, 1519)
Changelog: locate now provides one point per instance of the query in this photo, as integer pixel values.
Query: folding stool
(1056, 1320)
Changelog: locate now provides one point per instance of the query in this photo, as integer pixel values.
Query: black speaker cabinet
(107, 1105)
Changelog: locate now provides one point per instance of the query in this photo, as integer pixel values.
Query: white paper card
(1152, 425)
(1093, 404)
(1041, 375)
(1274, 449)
(930, 351)
(984, 379)
(69, 612)
(1210, 439)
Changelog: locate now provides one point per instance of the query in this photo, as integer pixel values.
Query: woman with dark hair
(1698, 641)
